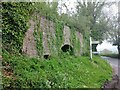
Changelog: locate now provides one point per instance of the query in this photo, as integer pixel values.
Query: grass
(111, 55)
(57, 72)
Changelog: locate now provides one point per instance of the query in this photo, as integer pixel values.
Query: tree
(113, 34)
(95, 19)
(47, 9)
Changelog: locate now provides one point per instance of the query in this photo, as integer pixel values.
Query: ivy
(15, 17)
(14, 24)
(38, 36)
(59, 34)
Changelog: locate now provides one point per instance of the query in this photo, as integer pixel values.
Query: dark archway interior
(67, 48)
(46, 56)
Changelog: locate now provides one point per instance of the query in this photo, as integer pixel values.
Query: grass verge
(65, 72)
(111, 55)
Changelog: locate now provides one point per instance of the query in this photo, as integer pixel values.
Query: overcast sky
(108, 46)
(72, 3)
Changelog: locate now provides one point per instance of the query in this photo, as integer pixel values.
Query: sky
(72, 3)
(108, 46)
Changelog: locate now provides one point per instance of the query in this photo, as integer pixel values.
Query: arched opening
(67, 48)
(46, 56)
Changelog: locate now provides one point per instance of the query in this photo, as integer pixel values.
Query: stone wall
(66, 46)
(80, 38)
(29, 44)
(50, 39)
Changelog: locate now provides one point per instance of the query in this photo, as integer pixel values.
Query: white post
(90, 48)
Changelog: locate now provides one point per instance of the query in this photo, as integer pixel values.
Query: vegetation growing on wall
(59, 26)
(38, 36)
(73, 40)
(19, 14)
(14, 24)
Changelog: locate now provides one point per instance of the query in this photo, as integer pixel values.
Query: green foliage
(46, 9)
(73, 39)
(38, 37)
(99, 29)
(81, 23)
(14, 24)
(86, 48)
(59, 26)
(75, 42)
(65, 72)
(111, 55)
(90, 20)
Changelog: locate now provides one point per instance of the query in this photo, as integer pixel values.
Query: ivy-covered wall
(48, 31)
(54, 38)
(14, 24)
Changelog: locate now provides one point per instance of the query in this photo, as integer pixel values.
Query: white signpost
(91, 43)
(90, 48)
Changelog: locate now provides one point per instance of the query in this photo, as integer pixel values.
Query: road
(115, 63)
